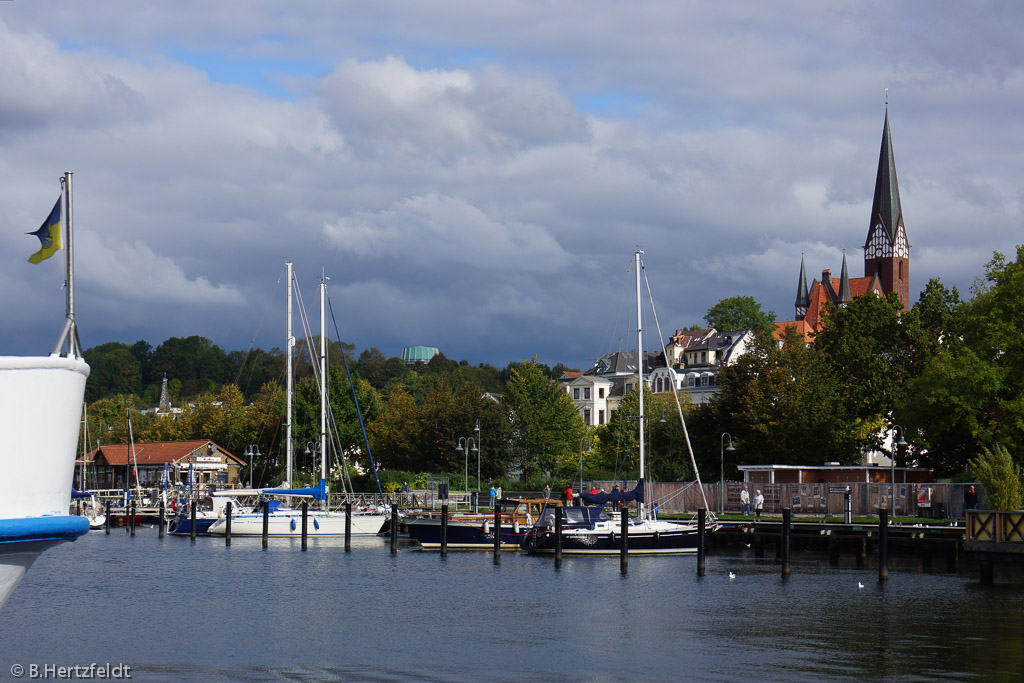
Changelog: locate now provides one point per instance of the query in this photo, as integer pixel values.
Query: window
(600, 392)
(600, 416)
(586, 394)
(703, 356)
(629, 388)
(586, 416)
(576, 393)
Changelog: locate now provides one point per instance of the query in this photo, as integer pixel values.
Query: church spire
(886, 249)
(844, 284)
(803, 300)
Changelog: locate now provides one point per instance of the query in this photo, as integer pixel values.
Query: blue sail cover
(77, 495)
(319, 491)
(615, 496)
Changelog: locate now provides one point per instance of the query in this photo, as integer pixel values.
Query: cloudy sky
(475, 176)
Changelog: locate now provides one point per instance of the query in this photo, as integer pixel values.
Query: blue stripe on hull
(32, 529)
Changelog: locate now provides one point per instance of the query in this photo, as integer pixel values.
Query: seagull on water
(731, 576)
(860, 585)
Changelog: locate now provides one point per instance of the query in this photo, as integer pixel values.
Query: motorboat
(475, 530)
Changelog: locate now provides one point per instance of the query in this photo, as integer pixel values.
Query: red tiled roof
(820, 294)
(156, 453)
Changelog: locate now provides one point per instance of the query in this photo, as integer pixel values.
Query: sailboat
(41, 400)
(284, 519)
(587, 529)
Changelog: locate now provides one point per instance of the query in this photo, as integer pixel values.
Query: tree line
(948, 374)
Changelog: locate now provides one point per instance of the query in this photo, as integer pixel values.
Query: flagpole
(69, 334)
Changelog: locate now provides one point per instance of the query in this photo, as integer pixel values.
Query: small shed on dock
(834, 473)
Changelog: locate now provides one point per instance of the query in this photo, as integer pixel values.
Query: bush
(998, 473)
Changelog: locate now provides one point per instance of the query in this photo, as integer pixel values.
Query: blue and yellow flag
(49, 235)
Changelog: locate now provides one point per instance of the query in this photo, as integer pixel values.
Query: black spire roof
(885, 208)
(802, 296)
(844, 284)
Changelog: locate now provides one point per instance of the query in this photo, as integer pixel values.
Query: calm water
(176, 610)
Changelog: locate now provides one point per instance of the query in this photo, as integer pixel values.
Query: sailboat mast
(640, 366)
(323, 378)
(289, 380)
(69, 334)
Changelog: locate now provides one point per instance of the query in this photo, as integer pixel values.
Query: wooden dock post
(227, 524)
(623, 539)
(106, 522)
(348, 526)
(883, 544)
(192, 517)
(701, 533)
(305, 522)
(161, 532)
(786, 515)
(266, 522)
(394, 528)
(133, 519)
(497, 532)
(558, 535)
(444, 530)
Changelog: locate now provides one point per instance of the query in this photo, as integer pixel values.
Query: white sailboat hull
(40, 412)
(289, 524)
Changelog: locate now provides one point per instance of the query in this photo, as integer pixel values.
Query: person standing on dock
(758, 503)
(970, 499)
(493, 492)
(547, 491)
(745, 502)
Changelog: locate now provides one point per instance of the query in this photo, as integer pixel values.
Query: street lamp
(892, 462)
(477, 430)
(252, 451)
(721, 481)
(312, 448)
(464, 446)
(590, 449)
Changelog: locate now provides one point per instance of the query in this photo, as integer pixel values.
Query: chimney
(826, 276)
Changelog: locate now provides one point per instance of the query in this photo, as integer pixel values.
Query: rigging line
(252, 342)
(675, 395)
(359, 411)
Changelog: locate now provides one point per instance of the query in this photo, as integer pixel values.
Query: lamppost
(590, 449)
(480, 447)
(252, 451)
(313, 448)
(721, 481)
(892, 461)
(464, 443)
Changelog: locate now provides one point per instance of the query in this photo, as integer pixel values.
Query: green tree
(546, 428)
(740, 312)
(114, 369)
(1000, 476)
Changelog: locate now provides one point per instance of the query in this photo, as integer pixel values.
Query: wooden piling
(133, 518)
(266, 522)
(623, 539)
(106, 521)
(701, 532)
(161, 532)
(444, 530)
(883, 544)
(192, 516)
(394, 528)
(348, 526)
(227, 524)
(786, 514)
(305, 522)
(497, 532)
(558, 535)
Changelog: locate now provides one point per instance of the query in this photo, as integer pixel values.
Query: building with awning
(118, 465)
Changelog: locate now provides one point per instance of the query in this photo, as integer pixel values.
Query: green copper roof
(885, 208)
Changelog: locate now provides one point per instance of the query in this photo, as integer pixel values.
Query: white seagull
(860, 585)
(731, 576)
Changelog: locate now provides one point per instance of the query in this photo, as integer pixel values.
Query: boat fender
(487, 526)
(529, 520)
(611, 536)
(515, 527)
(657, 537)
(293, 525)
(316, 524)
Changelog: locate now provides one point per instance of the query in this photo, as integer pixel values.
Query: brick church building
(886, 256)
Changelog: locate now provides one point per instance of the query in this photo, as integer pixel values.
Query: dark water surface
(175, 610)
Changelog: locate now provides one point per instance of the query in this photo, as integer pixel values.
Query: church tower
(886, 250)
(803, 299)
